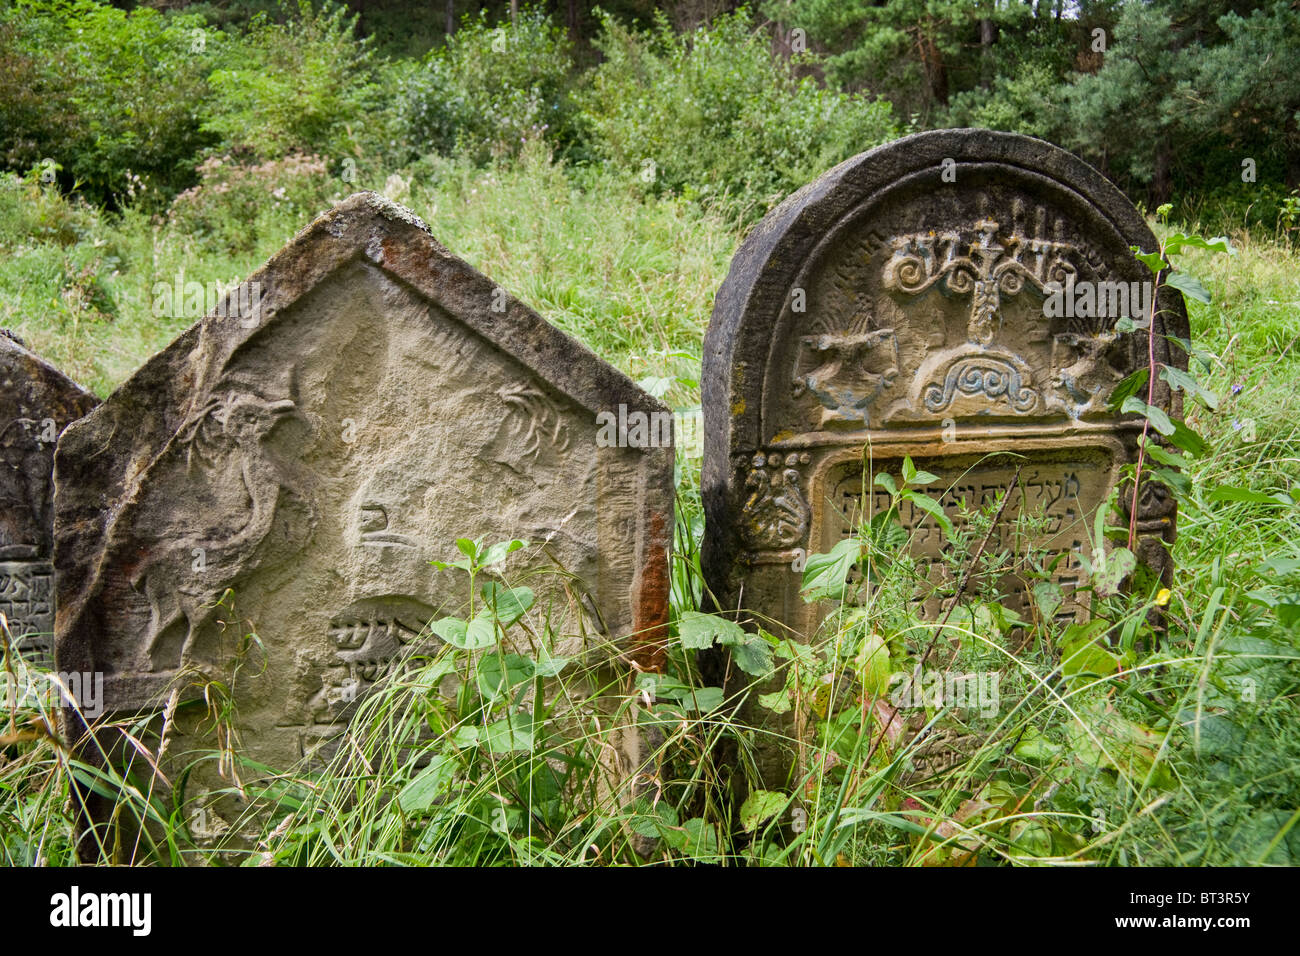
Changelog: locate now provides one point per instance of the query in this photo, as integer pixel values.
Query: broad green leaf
(1189, 286)
(824, 574)
(909, 470)
(1183, 381)
(1186, 439)
(498, 673)
(1110, 571)
(497, 552)
(1086, 657)
(1158, 418)
(1126, 324)
(1049, 598)
(548, 666)
(656, 385)
(467, 547)
(1128, 387)
(653, 821)
(1036, 748)
(698, 630)
(778, 702)
(480, 633)
(512, 734)
(1212, 734)
(1278, 566)
(1164, 456)
(759, 807)
(465, 736)
(1176, 480)
(451, 630)
(874, 667)
(663, 686)
(427, 786)
(932, 508)
(510, 603)
(753, 655)
(701, 840)
(1176, 242)
(704, 699)
(1152, 260)
(913, 477)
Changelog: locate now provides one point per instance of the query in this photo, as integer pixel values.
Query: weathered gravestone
(383, 400)
(37, 402)
(948, 297)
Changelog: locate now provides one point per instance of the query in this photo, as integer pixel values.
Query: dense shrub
(713, 113)
(235, 203)
(304, 85)
(490, 90)
(112, 99)
(1028, 102)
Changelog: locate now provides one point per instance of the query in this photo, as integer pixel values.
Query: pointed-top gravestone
(954, 297)
(37, 402)
(292, 463)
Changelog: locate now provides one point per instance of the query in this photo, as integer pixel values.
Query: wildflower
(1162, 597)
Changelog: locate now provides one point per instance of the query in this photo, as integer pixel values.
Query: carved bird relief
(229, 472)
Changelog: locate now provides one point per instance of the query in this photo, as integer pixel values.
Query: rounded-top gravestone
(956, 298)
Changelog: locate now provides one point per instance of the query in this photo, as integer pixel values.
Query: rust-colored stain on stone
(651, 614)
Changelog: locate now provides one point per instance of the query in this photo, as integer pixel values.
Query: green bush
(110, 98)
(237, 205)
(304, 85)
(712, 114)
(490, 90)
(1028, 102)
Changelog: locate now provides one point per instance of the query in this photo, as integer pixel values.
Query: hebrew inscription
(36, 403)
(1043, 526)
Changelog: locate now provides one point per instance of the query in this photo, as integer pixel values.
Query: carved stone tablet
(951, 297)
(306, 460)
(37, 402)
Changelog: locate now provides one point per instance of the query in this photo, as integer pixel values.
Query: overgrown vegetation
(1111, 742)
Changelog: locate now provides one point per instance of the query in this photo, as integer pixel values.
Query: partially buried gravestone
(952, 297)
(37, 402)
(293, 469)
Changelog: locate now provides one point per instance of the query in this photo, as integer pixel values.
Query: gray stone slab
(291, 469)
(37, 402)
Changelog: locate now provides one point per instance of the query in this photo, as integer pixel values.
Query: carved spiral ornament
(981, 376)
